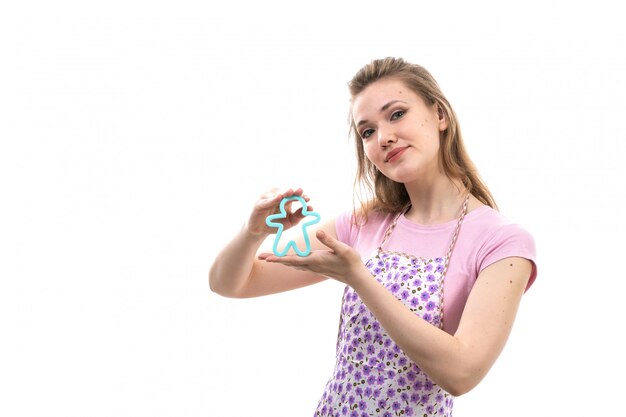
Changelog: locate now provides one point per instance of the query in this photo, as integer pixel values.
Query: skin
(390, 116)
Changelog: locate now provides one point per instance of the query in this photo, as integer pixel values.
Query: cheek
(369, 152)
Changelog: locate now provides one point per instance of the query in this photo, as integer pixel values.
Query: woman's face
(400, 132)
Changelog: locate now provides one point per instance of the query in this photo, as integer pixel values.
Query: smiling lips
(395, 154)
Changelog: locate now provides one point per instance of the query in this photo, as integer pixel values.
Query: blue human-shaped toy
(269, 220)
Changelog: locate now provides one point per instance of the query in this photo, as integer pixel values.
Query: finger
(269, 201)
(290, 192)
(299, 213)
(300, 208)
(289, 205)
(287, 260)
(270, 257)
(328, 240)
(293, 192)
(285, 194)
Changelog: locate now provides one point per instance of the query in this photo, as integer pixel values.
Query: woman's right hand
(268, 204)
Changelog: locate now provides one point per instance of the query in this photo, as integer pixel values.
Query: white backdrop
(135, 136)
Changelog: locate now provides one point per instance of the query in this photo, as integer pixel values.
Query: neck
(436, 201)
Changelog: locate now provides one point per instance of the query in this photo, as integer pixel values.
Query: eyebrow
(382, 109)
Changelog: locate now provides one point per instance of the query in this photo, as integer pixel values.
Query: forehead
(378, 94)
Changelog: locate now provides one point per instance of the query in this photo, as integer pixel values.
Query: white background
(135, 136)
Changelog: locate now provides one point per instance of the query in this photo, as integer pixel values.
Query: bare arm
(236, 272)
(456, 362)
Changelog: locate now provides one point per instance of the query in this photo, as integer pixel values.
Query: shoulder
(495, 228)
(497, 237)
(351, 226)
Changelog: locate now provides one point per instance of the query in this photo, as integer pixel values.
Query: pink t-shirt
(485, 237)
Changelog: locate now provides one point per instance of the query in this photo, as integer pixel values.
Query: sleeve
(509, 240)
(344, 226)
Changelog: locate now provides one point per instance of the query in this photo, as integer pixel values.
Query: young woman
(434, 273)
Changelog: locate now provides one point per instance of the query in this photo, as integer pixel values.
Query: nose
(386, 136)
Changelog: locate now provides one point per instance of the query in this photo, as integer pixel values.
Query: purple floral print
(373, 377)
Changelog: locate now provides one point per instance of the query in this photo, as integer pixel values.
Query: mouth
(395, 154)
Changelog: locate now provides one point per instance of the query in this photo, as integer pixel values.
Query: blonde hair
(388, 196)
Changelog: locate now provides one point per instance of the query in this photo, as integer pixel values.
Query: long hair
(387, 196)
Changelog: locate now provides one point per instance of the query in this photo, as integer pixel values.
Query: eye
(367, 133)
(397, 114)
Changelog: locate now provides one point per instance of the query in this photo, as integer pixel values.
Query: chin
(403, 177)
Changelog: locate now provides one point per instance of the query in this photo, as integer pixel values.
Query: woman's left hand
(340, 262)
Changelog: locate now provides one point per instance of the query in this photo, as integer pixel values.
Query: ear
(443, 118)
